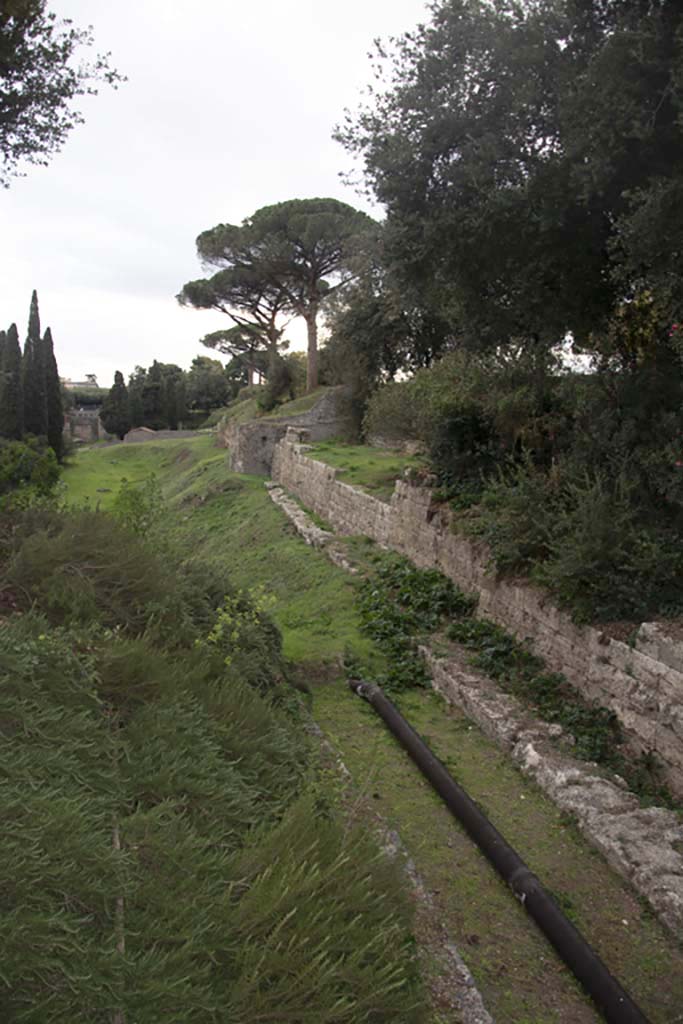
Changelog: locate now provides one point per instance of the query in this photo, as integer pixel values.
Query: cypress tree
(116, 412)
(55, 409)
(34, 376)
(11, 392)
(3, 345)
(153, 398)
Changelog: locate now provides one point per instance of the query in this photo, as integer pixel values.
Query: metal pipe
(611, 999)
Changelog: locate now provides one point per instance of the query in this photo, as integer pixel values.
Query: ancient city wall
(643, 685)
(84, 425)
(252, 445)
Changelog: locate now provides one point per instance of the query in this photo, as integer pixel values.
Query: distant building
(74, 385)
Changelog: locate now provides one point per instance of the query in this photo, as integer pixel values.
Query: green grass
(230, 520)
(95, 475)
(248, 409)
(516, 970)
(298, 405)
(373, 469)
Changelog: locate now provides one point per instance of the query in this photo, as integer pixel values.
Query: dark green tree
(55, 408)
(115, 413)
(34, 376)
(153, 398)
(286, 258)
(11, 391)
(173, 400)
(41, 73)
(529, 156)
(135, 385)
(3, 343)
(244, 344)
(207, 384)
(157, 396)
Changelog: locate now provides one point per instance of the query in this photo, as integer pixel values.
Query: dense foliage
(398, 604)
(529, 160)
(41, 73)
(285, 259)
(30, 389)
(574, 478)
(163, 855)
(116, 413)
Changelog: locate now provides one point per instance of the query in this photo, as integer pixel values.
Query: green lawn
(373, 469)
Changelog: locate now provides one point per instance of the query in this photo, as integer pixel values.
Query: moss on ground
(231, 520)
(374, 470)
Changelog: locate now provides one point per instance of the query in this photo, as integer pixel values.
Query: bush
(391, 412)
(604, 562)
(161, 857)
(27, 464)
(83, 567)
(576, 478)
(280, 383)
(516, 516)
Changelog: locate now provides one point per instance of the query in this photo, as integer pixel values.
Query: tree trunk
(312, 331)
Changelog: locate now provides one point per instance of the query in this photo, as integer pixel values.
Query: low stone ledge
(305, 527)
(313, 535)
(655, 640)
(644, 845)
(642, 685)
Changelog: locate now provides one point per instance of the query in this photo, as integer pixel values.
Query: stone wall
(140, 435)
(85, 425)
(252, 445)
(643, 685)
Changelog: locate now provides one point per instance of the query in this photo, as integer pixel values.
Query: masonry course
(251, 445)
(641, 684)
(644, 845)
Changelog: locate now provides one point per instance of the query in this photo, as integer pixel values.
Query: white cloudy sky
(229, 106)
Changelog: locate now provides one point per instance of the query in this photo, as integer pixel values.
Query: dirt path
(521, 979)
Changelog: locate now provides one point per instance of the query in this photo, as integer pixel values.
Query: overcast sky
(228, 106)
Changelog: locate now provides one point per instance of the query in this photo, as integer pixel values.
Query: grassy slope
(248, 409)
(230, 519)
(372, 469)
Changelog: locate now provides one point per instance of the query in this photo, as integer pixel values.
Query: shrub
(604, 561)
(318, 928)
(516, 516)
(27, 464)
(83, 567)
(391, 412)
(280, 382)
(399, 602)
